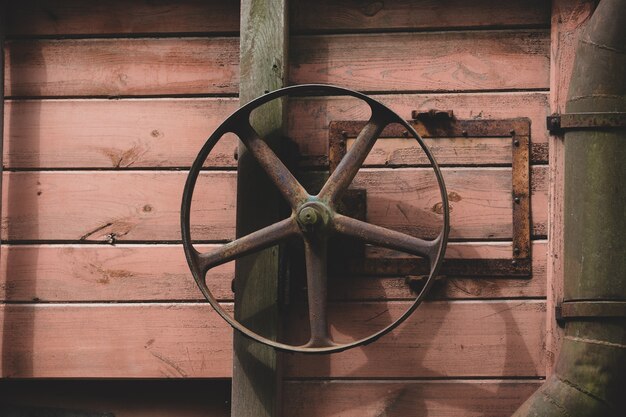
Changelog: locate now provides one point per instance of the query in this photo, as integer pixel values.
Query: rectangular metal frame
(518, 132)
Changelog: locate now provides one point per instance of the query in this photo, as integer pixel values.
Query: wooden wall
(108, 103)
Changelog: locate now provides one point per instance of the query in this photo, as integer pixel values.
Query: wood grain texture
(309, 119)
(348, 15)
(201, 398)
(114, 67)
(88, 205)
(568, 18)
(115, 341)
(169, 132)
(115, 133)
(473, 398)
(136, 206)
(443, 339)
(81, 17)
(448, 61)
(264, 63)
(440, 340)
(92, 17)
(154, 398)
(72, 273)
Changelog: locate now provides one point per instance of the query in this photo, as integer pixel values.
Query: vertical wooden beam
(256, 368)
(568, 18)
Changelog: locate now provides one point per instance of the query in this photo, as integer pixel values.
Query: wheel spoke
(253, 242)
(316, 251)
(345, 172)
(387, 238)
(287, 184)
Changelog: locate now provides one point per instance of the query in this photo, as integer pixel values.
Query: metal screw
(516, 142)
(516, 251)
(405, 133)
(344, 133)
(464, 133)
(110, 238)
(512, 132)
(513, 262)
(517, 200)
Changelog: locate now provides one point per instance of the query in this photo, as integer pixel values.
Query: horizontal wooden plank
(152, 398)
(309, 119)
(131, 205)
(127, 205)
(80, 17)
(442, 339)
(114, 341)
(169, 132)
(473, 398)
(202, 398)
(113, 67)
(448, 61)
(91, 17)
(115, 133)
(61, 273)
(347, 15)
(376, 288)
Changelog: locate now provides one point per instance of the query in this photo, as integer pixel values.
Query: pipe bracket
(559, 123)
(589, 309)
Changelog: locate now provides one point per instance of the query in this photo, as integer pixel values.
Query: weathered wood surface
(114, 341)
(448, 61)
(115, 133)
(135, 206)
(443, 339)
(113, 67)
(92, 17)
(347, 15)
(472, 398)
(309, 119)
(72, 273)
(141, 133)
(264, 65)
(440, 340)
(155, 398)
(568, 19)
(80, 17)
(201, 398)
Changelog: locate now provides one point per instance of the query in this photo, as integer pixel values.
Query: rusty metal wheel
(314, 217)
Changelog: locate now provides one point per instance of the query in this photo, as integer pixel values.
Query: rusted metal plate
(521, 196)
(457, 267)
(442, 124)
(557, 123)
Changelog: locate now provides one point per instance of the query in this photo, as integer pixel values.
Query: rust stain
(149, 343)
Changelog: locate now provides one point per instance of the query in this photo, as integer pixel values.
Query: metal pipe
(590, 375)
